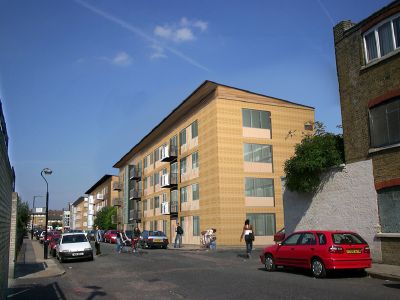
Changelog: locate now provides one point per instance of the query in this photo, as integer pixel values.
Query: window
(183, 165)
(157, 154)
(263, 224)
(145, 205)
(195, 160)
(194, 127)
(196, 226)
(155, 227)
(308, 238)
(145, 183)
(195, 191)
(182, 222)
(164, 226)
(145, 163)
(156, 178)
(151, 180)
(258, 153)
(157, 202)
(151, 158)
(174, 141)
(384, 121)
(151, 203)
(321, 238)
(184, 194)
(182, 137)
(389, 209)
(292, 240)
(259, 187)
(151, 226)
(256, 118)
(174, 196)
(382, 39)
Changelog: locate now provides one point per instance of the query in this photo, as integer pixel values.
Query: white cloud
(121, 59)
(158, 52)
(184, 34)
(181, 32)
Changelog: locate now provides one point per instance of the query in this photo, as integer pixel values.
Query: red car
(319, 251)
(53, 243)
(110, 236)
(279, 236)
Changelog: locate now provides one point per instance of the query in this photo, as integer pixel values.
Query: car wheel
(269, 263)
(318, 268)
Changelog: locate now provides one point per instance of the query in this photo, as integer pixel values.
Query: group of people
(122, 240)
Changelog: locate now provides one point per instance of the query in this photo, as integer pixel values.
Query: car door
(306, 249)
(285, 253)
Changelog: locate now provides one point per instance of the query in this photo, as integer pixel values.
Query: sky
(82, 82)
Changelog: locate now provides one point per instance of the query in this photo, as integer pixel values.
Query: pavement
(32, 265)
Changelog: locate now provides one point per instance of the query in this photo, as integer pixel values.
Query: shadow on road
(337, 274)
(23, 269)
(40, 292)
(392, 285)
(96, 292)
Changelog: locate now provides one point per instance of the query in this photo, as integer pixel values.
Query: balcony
(134, 173)
(169, 153)
(116, 202)
(117, 186)
(135, 194)
(135, 215)
(169, 208)
(169, 180)
(99, 196)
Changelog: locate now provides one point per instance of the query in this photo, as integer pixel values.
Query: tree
(315, 154)
(104, 218)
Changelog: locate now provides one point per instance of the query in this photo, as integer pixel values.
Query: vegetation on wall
(104, 218)
(315, 154)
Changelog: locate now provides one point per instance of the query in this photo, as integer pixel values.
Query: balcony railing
(135, 194)
(117, 186)
(169, 180)
(116, 202)
(134, 173)
(135, 215)
(169, 208)
(169, 153)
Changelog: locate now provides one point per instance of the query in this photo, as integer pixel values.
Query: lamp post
(46, 171)
(33, 214)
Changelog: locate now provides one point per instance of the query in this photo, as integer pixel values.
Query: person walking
(97, 240)
(119, 241)
(135, 238)
(178, 237)
(248, 234)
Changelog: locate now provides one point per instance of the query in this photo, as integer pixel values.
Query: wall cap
(388, 235)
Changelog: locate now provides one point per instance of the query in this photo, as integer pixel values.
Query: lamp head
(47, 171)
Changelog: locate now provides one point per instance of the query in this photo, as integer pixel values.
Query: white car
(73, 246)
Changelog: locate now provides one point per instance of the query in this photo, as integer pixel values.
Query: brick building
(6, 191)
(214, 161)
(368, 68)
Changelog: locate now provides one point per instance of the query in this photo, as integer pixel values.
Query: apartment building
(214, 161)
(6, 191)
(105, 193)
(82, 214)
(368, 64)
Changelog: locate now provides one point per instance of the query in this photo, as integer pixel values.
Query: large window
(384, 123)
(182, 137)
(263, 224)
(184, 195)
(183, 165)
(195, 160)
(196, 226)
(145, 205)
(195, 132)
(382, 39)
(157, 202)
(145, 183)
(258, 153)
(256, 118)
(195, 191)
(389, 209)
(259, 187)
(156, 178)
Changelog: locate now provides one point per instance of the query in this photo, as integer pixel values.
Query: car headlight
(88, 249)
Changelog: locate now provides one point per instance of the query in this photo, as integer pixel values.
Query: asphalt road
(176, 274)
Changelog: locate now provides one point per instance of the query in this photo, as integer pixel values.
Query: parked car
(319, 251)
(53, 243)
(110, 236)
(73, 246)
(153, 239)
(279, 236)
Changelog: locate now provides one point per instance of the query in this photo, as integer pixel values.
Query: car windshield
(76, 238)
(347, 238)
(156, 233)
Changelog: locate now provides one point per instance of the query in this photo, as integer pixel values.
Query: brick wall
(391, 250)
(13, 234)
(6, 187)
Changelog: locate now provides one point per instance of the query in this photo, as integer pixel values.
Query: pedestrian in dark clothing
(178, 237)
(97, 239)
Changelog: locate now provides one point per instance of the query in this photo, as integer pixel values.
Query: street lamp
(33, 214)
(46, 171)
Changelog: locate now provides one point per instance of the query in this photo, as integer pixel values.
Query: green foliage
(56, 224)
(23, 216)
(103, 218)
(315, 154)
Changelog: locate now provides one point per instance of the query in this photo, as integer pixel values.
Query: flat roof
(101, 180)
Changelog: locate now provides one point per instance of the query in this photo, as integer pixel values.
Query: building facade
(105, 193)
(6, 190)
(82, 214)
(214, 161)
(368, 68)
